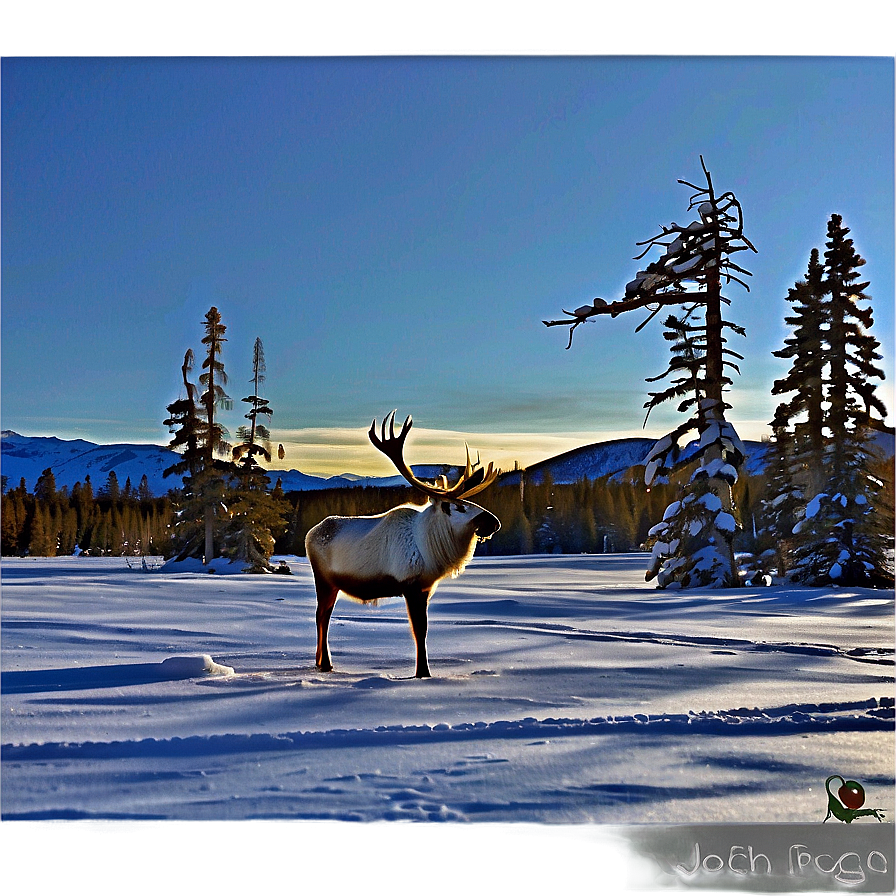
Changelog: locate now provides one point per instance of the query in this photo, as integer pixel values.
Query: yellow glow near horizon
(333, 451)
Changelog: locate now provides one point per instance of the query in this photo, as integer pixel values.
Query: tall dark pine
(213, 480)
(255, 514)
(852, 349)
(806, 349)
(845, 539)
(795, 457)
(255, 438)
(188, 427)
(214, 379)
(843, 529)
(693, 543)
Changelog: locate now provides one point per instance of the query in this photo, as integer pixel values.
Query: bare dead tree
(696, 261)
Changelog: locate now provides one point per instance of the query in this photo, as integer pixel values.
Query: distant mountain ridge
(588, 462)
(26, 457)
(72, 461)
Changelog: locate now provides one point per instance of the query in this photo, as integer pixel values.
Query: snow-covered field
(566, 690)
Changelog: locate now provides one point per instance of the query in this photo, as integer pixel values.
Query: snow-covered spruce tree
(255, 514)
(692, 545)
(780, 503)
(844, 532)
(795, 456)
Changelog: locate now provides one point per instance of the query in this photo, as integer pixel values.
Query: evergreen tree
(111, 490)
(807, 351)
(188, 433)
(212, 481)
(852, 350)
(693, 544)
(12, 518)
(256, 515)
(144, 493)
(186, 426)
(214, 379)
(43, 540)
(796, 454)
(45, 488)
(82, 500)
(843, 529)
(68, 531)
(780, 503)
(255, 438)
(200, 438)
(256, 518)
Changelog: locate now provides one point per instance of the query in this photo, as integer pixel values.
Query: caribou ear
(446, 507)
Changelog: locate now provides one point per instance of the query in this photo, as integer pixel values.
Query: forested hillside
(114, 521)
(612, 512)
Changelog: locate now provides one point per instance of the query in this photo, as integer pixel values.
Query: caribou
(405, 551)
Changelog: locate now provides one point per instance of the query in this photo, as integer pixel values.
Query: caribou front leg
(417, 602)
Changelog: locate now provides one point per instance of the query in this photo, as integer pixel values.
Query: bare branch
(728, 278)
(621, 305)
(648, 319)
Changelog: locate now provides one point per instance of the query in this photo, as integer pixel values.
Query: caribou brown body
(404, 552)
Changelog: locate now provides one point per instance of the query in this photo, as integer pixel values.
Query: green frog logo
(847, 804)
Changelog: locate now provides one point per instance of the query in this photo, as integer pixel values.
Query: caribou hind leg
(417, 602)
(326, 600)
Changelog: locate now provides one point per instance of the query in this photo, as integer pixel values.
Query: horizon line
(334, 451)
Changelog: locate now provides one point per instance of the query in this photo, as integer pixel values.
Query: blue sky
(396, 229)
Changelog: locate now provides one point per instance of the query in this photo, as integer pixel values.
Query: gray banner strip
(127, 857)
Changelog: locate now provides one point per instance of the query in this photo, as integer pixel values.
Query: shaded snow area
(566, 691)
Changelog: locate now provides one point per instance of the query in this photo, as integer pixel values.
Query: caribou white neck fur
(448, 544)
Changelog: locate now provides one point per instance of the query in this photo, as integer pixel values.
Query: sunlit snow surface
(565, 690)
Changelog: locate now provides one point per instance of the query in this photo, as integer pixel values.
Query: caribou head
(450, 500)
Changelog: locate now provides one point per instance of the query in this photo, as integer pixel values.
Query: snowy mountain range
(26, 457)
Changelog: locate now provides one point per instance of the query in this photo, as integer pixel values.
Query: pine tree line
(607, 515)
(57, 522)
(612, 514)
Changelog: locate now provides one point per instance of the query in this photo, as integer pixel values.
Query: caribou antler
(473, 479)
